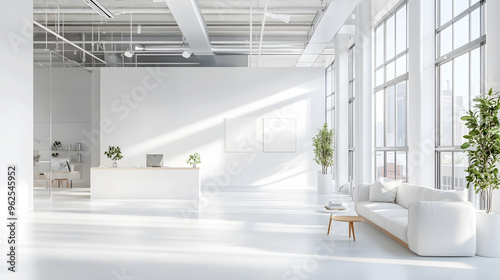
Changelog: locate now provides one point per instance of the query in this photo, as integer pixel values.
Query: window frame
(394, 82)
(449, 57)
(351, 114)
(330, 83)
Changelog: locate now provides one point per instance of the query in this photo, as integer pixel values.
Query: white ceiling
(161, 41)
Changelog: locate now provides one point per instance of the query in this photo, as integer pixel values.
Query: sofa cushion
(407, 194)
(388, 216)
(384, 191)
(439, 195)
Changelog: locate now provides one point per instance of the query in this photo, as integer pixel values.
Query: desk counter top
(145, 168)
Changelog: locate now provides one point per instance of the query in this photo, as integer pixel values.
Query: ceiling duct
(100, 9)
(188, 16)
(336, 14)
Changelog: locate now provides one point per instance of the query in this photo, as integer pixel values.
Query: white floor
(238, 233)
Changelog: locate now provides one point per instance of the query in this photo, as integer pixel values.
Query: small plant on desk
(114, 153)
(194, 159)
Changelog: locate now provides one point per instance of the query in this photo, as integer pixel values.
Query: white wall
(179, 111)
(62, 112)
(16, 101)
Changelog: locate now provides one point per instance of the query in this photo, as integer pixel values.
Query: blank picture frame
(280, 135)
(241, 135)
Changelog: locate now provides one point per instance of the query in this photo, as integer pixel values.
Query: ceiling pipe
(249, 63)
(229, 49)
(242, 48)
(67, 41)
(262, 32)
(114, 42)
(309, 10)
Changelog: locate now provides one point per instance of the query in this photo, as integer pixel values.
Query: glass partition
(62, 118)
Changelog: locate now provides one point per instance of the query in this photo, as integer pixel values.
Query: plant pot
(115, 164)
(325, 183)
(194, 165)
(488, 234)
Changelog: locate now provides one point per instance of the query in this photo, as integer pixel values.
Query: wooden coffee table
(350, 219)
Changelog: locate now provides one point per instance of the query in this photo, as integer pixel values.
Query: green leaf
(474, 132)
(465, 145)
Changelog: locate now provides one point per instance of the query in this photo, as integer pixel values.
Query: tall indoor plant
(483, 149)
(323, 155)
(484, 139)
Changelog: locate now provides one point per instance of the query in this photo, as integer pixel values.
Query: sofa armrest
(362, 194)
(437, 228)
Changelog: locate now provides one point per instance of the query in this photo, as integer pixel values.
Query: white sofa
(429, 222)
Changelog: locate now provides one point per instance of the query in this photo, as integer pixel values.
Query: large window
(391, 91)
(460, 40)
(330, 100)
(351, 112)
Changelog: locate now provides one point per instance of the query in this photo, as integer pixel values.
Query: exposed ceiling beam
(336, 14)
(188, 16)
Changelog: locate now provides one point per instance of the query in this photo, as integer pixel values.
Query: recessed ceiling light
(128, 54)
(186, 54)
(283, 18)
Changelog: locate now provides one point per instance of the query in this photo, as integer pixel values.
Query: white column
(94, 136)
(16, 101)
(341, 111)
(492, 45)
(493, 62)
(364, 141)
(421, 94)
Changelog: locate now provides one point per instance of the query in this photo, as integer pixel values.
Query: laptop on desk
(154, 160)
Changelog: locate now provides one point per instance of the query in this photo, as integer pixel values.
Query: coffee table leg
(352, 227)
(329, 224)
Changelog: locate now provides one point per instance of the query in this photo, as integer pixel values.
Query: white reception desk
(145, 183)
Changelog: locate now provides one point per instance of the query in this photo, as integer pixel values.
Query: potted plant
(483, 150)
(323, 155)
(193, 159)
(56, 145)
(114, 153)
